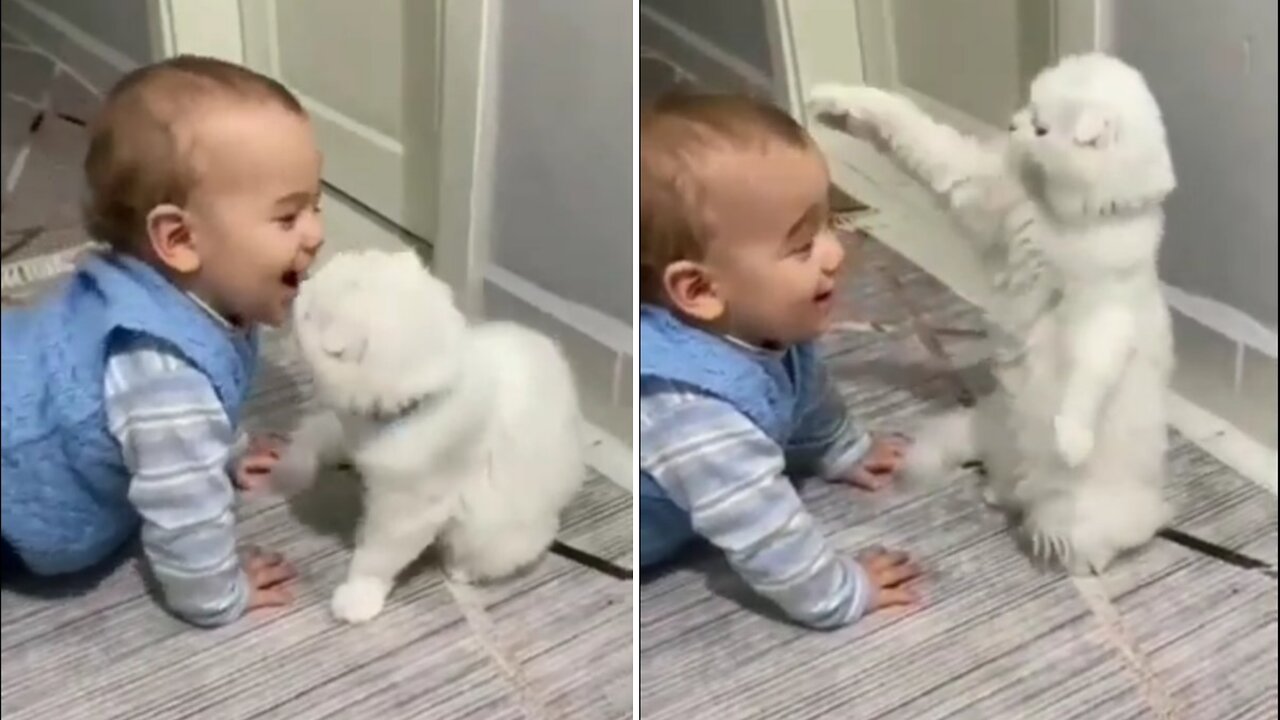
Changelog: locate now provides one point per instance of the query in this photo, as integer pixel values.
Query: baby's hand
(253, 469)
(889, 571)
(269, 578)
(881, 463)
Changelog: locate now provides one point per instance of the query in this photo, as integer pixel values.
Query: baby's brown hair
(140, 142)
(678, 134)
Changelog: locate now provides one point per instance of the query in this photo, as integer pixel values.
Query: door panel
(368, 73)
(967, 61)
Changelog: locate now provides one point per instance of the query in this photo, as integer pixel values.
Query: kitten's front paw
(853, 108)
(359, 600)
(827, 100)
(1075, 441)
(295, 471)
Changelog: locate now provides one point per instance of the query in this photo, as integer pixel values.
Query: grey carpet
(996, 638)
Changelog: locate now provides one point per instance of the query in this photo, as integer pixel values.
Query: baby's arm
(829, 443)
(728, 475)
(176, 439)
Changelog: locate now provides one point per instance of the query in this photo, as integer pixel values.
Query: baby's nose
(833, 257)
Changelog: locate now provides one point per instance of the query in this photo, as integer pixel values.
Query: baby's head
(1093, 139)
(209, 172)
(734, 219)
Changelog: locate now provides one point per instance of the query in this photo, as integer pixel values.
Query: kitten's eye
(1041, 131)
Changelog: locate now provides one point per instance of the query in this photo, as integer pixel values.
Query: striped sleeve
(728, 475)
(177, 443)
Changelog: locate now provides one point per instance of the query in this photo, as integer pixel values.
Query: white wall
(1212, 66)
(560, 233)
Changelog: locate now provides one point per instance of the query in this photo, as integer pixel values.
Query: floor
(1166, 633)
(555, 644)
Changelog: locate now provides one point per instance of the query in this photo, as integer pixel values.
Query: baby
(123, 390)
(738, 270)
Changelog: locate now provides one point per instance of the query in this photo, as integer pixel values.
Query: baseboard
(96, 65)
(1214, 403)
(598, 348)
(710, 65)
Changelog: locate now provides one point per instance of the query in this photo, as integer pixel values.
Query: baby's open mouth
(824, 296)
(292, 279)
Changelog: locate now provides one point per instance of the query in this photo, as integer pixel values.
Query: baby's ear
(1093, 129)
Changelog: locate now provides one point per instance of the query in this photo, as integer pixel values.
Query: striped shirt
(733, 481)
(179, 446)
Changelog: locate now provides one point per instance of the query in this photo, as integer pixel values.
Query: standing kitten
(468, 435)
(1066, 216)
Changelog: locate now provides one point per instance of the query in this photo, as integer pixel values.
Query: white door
(966, 61)
(401, 93)
(368, 73)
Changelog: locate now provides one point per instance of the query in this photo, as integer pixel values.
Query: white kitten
(469, 435)
(1066, 216)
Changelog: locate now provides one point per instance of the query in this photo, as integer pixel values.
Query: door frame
(467, 87)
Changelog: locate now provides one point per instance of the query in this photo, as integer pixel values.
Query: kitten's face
(1093, 131)
(377, 330)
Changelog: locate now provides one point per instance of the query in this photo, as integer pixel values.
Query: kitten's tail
(941, 444)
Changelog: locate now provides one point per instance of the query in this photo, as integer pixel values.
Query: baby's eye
(287, 221)
(804, 250)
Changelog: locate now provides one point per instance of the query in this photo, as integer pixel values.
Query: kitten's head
(378, 331)
(1092, 140)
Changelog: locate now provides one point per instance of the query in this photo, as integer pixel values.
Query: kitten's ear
(343, 339)
(1093, 129)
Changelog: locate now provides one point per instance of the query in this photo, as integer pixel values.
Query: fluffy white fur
(1066, 214)
(465, 436)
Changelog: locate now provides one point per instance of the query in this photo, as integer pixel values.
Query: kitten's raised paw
(828, 100)
(1074, 441)
(359, 600)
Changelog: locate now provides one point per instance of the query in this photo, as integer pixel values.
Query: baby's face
(773, 254)
(255, 212)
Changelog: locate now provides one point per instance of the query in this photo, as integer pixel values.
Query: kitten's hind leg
(393, 533)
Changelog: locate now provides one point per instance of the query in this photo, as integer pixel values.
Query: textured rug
(1167, 633)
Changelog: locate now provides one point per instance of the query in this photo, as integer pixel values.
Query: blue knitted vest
(65, 486)
(766, 388)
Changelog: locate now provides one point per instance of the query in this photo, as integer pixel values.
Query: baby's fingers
(877, 559)
(896, 575)
(895, 597)
(868, 478)
(267, 569)
(278, 596)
